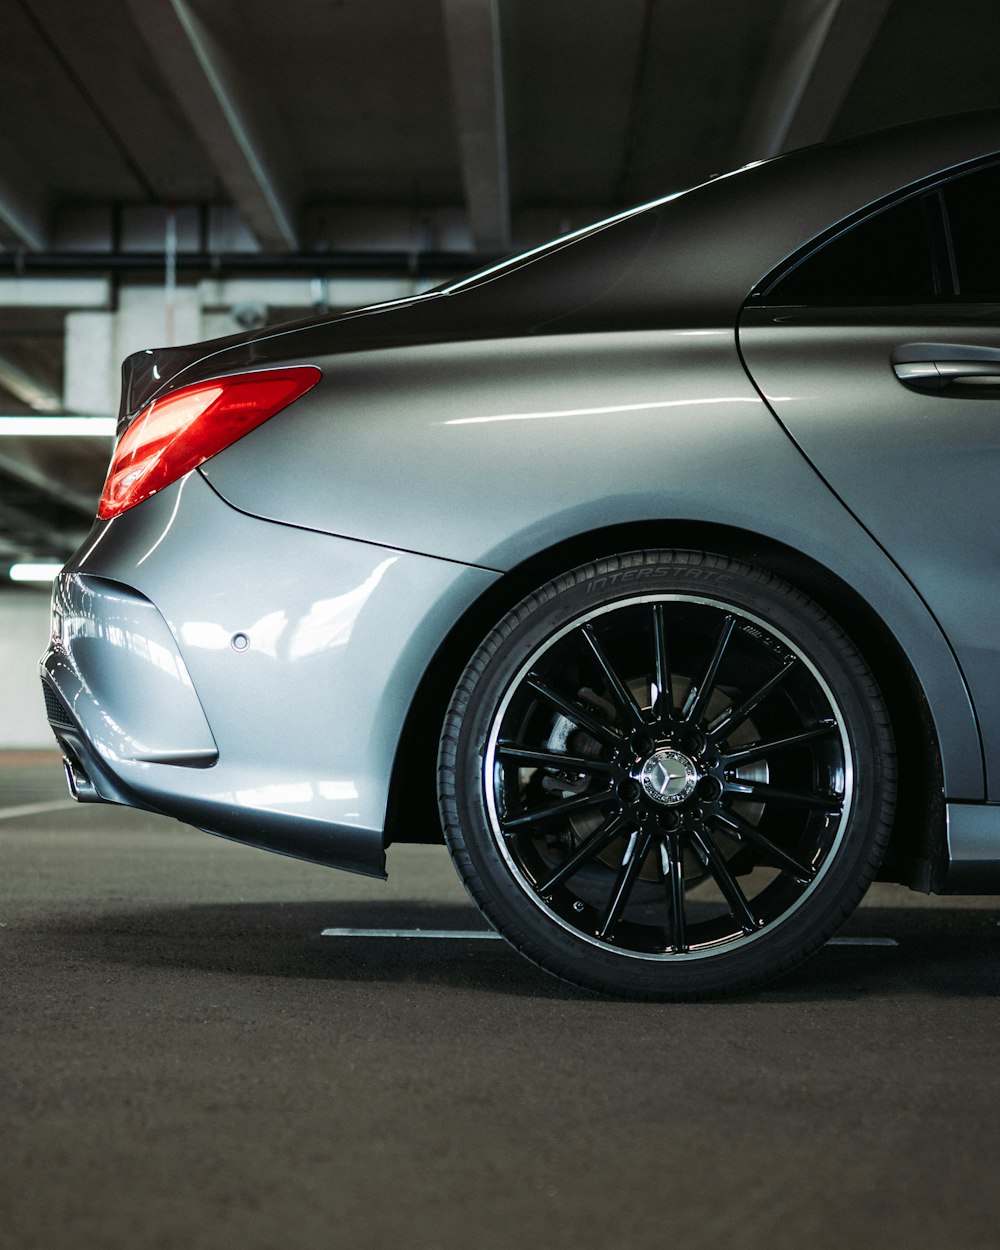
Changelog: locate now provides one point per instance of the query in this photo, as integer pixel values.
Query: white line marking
(468, 934)
(35, 809)
(471, 935)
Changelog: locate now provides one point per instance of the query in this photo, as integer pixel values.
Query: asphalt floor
(189, 1063)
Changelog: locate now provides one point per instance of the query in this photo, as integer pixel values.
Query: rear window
(973, 209)
(886, 259)
(943, 244)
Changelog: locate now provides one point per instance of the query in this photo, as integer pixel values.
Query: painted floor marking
(479, 934)
(468, 934)
(36, 809)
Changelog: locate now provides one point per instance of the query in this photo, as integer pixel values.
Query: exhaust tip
(79, 784)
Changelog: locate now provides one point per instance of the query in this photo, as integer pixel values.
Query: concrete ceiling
(390, 138)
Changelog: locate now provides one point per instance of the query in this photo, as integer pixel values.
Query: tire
(665, 775)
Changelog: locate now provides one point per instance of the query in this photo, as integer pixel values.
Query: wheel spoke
(586, 720)
(673, 872)
(579, 803)
(631, 712)
(632, 863)
(699, 694)
(733, 717)
(716, 863)
(552, 759)
(763, 750)
(735, 826)
(613, 827)
(761, 792)
(664, 704)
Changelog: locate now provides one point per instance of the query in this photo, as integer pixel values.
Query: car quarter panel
(533, 439)
(490, 453)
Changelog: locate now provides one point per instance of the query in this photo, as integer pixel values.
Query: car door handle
(937, 375)
(971, 377)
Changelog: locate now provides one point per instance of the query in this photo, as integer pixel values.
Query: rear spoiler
(146, 373)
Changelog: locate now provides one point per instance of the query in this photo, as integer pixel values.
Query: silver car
(654, 570)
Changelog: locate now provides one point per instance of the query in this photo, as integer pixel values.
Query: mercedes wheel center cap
(669, 777)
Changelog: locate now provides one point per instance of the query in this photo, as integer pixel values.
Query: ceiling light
(38, 572)
(90, 427)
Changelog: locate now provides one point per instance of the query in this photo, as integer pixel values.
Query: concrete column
(97, 342)
(91, 371)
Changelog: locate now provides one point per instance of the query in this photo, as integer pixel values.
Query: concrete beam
(54, 292)
(472, 30)
(23, 207)
(815, 56)
(217, 294)
(66, 471)
(210, 93)
(10, 551)
(28, 389)
(31, 532)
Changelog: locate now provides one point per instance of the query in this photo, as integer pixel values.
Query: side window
(885, 259)
(972, 203)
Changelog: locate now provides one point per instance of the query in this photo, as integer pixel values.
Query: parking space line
(36, 809)
(478, 934)
(468, 934)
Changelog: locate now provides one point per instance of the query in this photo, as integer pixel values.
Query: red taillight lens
(182, 430)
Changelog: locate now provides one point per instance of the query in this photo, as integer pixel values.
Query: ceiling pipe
(213, 264)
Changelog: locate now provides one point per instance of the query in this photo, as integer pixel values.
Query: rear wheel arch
(918, 840)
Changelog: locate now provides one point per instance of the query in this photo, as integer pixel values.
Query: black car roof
(693, 258)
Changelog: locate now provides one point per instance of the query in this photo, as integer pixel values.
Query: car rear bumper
(244, 676)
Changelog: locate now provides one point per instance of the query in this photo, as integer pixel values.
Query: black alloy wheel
(667, 774)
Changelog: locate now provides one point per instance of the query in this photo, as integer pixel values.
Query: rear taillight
(175, 434)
